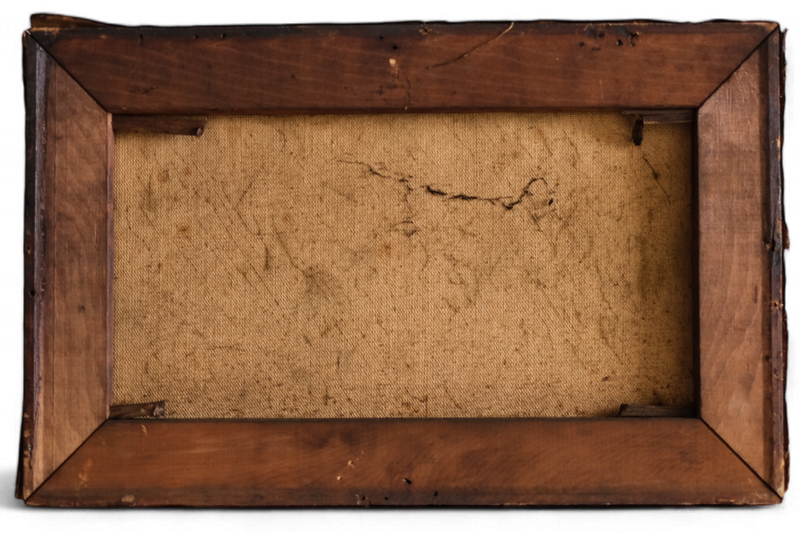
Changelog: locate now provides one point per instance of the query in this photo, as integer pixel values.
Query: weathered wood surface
(403, 462)
(408, 67)
(66, 347)
(167, 125)
(741, 319)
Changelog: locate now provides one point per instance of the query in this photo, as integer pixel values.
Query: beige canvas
(470, 265)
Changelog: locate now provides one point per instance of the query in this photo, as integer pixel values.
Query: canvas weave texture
(470, 265)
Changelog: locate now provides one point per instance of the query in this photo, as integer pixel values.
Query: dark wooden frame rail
(81, 76)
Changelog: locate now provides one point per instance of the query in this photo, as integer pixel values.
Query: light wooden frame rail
(79, 74)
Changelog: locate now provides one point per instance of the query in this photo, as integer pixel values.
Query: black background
(130, 14)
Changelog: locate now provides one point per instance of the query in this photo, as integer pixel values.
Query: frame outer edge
(36, 68)
(778, 326)
(35, 65)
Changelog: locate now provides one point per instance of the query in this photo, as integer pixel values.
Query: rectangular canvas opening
(437, 265)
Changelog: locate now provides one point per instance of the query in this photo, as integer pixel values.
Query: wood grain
(403, 462)
(66, 347)
(741, 320)
(410, 67)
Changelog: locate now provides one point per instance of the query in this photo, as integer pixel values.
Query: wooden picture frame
(82, 77)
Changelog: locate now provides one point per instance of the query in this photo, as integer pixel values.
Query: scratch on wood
(468, 52)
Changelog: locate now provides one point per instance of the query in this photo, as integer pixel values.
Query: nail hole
(394, 47)
(32, 293)
(601, 35)
(619, 43)
(581, 44)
